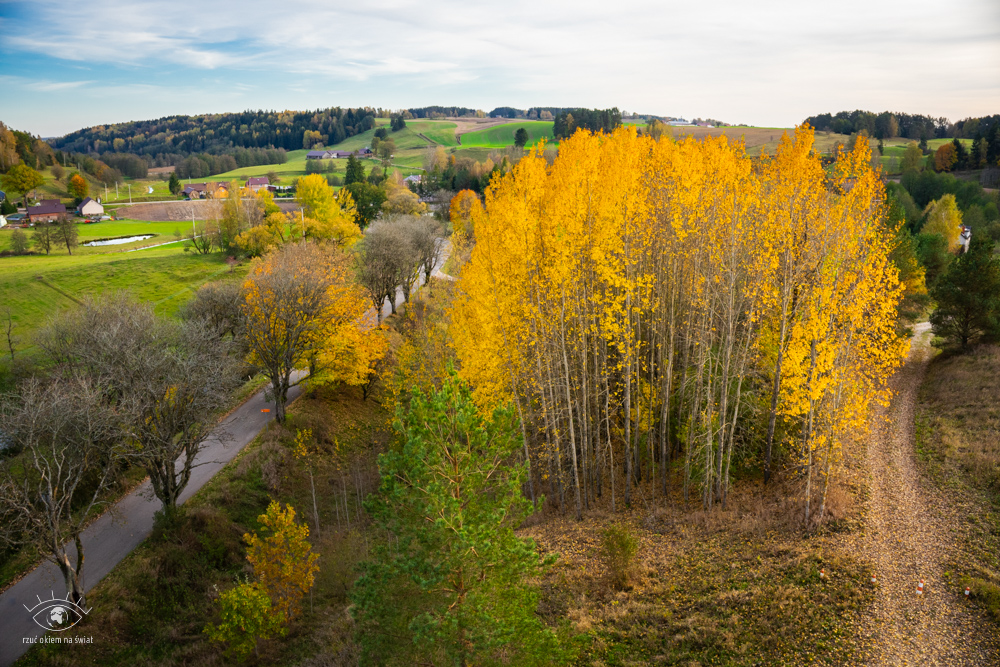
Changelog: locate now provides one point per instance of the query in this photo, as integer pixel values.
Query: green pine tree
(174, 185)
(355, 171)
(968, 296)
(450, 585)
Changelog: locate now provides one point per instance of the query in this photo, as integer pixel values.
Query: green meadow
(37, 287)
(501, 136)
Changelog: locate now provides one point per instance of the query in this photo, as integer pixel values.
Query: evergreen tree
(993, 146)
(174, 185)
(355, 171)
(977, 157)
(968, 296)
(450, 585)
(520, 137)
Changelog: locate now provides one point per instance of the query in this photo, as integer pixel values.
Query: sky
(68, 65)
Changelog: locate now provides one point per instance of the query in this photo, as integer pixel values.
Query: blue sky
(67, 65)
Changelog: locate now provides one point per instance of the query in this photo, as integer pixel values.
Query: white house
(88, 207)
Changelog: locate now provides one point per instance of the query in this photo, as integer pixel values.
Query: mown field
(164, 232)
(37, 287)
(501, 136)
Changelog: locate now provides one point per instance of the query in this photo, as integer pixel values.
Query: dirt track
(908, 536)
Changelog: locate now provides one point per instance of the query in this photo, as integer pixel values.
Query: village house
(195, 190)
(89, 208)
(320, 155)
(49, 210)
(255, 183)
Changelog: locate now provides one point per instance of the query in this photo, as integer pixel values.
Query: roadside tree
(165, 381)
(943, 217)
(294, 300)
(49, 495)
(174, 185)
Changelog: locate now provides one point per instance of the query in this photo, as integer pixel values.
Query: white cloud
(766, 62)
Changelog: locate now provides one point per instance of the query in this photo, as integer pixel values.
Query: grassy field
(440, 132)
(957, 424)
(503, 135)
(164, 232)
(37, 287)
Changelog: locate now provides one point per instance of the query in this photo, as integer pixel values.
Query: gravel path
(909, 536)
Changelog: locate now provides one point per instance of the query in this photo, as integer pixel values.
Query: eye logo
(56, 614)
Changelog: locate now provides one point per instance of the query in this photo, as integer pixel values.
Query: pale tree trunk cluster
(660, 306)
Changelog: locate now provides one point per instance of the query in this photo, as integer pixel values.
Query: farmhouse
(195, 190)
(89, 207)
(48, 211)
(255, 183)
(413, 179)
(320, 155)
(361, 152)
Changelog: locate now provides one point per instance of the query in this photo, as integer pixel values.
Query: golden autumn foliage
(943, 217)
(328, 217)
(464, 208)
(283, 561)
(643, 300)
(302, 310)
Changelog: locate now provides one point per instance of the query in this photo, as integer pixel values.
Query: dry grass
(958, 443)
(738, 586)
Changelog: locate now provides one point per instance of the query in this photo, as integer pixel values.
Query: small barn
(89, 208)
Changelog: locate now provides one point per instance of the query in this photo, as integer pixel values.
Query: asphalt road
(115, 534)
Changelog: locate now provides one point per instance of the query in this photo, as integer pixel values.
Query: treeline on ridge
(887, 125)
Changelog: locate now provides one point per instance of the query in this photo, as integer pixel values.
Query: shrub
(18, 242)
(618, 550)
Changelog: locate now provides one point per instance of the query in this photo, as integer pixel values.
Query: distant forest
(889, 124)
(213, 143)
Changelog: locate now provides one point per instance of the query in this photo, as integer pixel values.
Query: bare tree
(8, 331)
(48, 494)
(384, 257)
(165, 380)
(43, 237)
(218, 305)
(65, 233)
(423, 232)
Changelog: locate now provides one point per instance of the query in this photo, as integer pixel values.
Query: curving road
(115, 534)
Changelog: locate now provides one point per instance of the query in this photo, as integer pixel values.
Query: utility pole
(302, 215)
(116, 191)
(129, 193)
